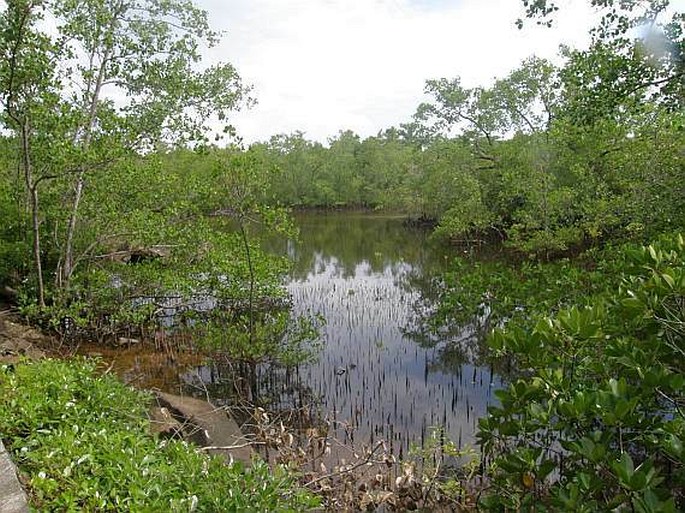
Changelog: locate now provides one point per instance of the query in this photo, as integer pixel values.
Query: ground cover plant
(81, 442)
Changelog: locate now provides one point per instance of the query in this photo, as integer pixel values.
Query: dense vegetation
(529, 160)
(106, 227)
(597, 422)
(116, 210)
(592, 419)
(547, 158)
(83, 443)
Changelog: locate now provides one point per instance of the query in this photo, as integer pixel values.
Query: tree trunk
(33, 200)
(22, 122)
(248, 254)
(68, 265)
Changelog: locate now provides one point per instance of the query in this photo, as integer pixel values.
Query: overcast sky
(321, 66)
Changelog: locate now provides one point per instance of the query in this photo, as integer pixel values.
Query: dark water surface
(366, 275)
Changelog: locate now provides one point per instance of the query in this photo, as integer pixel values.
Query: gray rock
(12, 496)
(207, 426)
(163, 424)
(125, 341)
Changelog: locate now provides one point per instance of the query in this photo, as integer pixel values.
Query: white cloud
(325, 65)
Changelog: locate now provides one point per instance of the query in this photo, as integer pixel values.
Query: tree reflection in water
(381, 370)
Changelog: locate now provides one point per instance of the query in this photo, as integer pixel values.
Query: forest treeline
(545, 158)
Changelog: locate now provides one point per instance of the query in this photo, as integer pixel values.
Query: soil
(19, 341)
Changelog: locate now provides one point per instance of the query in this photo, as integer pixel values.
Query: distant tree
(341, 168)
(300, 163)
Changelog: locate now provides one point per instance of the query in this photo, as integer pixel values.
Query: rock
(17, 341)
(163, 423)
(207, 426)
(139, 255)
(12, 496)
(13, 330)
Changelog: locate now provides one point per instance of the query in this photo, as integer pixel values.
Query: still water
(371, 277)
(379, 374)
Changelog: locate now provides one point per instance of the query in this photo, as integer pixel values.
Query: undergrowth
(81, 442)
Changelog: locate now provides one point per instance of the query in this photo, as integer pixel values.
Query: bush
(598, 422)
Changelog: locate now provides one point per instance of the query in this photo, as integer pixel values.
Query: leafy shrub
(598, 422)
(517, 293)
(14, 247)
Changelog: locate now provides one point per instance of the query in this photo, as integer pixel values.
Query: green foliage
(277, 337)
(596, 423)
(348, 173)
(572, 155)
(13, 247)
(618, 17)
(557, 164)
(82, 442)
(548, 158)
(163, 232)
(108, 82)
(441, 186)
(494, 292)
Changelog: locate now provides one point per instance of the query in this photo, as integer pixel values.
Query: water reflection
(380, 371)
(361, 273)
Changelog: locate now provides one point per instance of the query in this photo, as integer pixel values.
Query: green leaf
(624, 469)
(668, 279)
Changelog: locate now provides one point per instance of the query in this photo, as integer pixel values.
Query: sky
(321, 66)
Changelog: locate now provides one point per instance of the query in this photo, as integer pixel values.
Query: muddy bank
(18, 340)
(211, 428)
